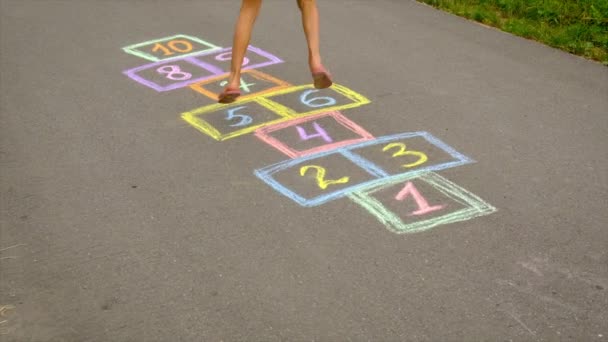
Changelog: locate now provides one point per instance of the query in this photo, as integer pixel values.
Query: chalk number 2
(320, 176)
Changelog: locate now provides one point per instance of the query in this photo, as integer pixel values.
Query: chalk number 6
(315, 102)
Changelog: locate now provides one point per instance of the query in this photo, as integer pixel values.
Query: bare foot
(321, 77)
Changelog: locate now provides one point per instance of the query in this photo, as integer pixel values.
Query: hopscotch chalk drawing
(392, 177)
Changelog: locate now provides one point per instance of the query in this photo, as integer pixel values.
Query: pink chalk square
(313, 134)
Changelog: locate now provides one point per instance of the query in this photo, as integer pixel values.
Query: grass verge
(577, 26)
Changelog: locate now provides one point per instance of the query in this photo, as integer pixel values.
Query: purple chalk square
(255, 58)
(172, 74)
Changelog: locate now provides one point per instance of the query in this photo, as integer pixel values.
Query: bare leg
(242, 35)
(310, 22)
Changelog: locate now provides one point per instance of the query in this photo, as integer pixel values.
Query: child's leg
(242, 35)
(310, 21)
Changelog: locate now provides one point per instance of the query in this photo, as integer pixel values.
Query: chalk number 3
(402, 151)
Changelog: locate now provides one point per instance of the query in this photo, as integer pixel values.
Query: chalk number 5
(244, 119)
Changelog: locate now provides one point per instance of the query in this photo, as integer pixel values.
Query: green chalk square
(133, 49)
(475, 206)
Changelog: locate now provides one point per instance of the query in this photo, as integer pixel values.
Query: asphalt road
(122, 222)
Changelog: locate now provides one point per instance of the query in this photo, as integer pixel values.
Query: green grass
(576, 26)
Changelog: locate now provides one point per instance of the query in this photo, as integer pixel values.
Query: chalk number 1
(409, 190)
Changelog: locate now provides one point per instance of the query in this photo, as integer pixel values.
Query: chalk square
(226, 121)
(461, 205)
(313, 181)
(140, 51)
(410, 152)
(350, 133)
(250, 78)
(255, 58)
(151, 76)
(314, 101)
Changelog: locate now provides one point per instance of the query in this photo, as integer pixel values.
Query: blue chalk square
(412, 152)
(313, 181)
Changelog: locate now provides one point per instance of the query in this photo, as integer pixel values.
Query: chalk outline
(263, 134)
(215, 71)
(193, 118)
(272, 59)
(358, 100)
(132, 49)
(476, 206)
(265, 173)
(279, 84)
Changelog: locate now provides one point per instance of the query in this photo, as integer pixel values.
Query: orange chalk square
(253, 83)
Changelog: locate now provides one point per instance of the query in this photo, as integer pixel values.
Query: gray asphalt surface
(121, 222)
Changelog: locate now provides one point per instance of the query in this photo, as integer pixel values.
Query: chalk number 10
(181, 46)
